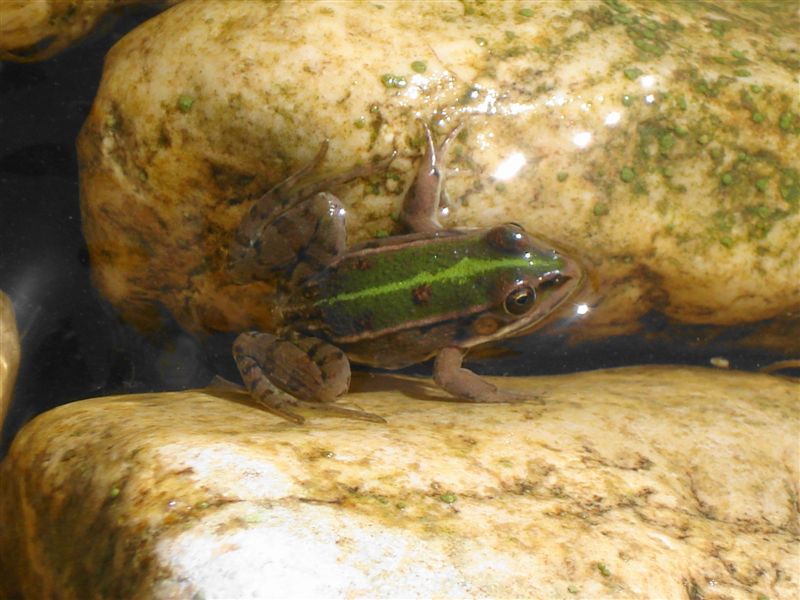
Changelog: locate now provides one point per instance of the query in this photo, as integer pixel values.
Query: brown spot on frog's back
(421, 294)
(363, 323)
(362, 263)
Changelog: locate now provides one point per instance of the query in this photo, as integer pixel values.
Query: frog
(426, 292)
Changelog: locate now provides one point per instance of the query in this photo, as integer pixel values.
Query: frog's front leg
(421, 204)
(464, 384)
(308, 372)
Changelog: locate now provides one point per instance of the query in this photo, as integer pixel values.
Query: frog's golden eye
(520, 300)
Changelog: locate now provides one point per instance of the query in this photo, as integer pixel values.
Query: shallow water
(74, 346)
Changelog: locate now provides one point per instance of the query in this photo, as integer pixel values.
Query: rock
(631, 483)
(654, 139)
(32, 31)
(9, 354)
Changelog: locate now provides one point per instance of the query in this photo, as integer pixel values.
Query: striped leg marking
(307, 372)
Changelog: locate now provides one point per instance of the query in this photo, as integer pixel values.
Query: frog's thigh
(304, 372)
(313, 229)
(324, 235)
(308, 369)
(463, 383)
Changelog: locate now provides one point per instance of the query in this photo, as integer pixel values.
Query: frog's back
(397, 301)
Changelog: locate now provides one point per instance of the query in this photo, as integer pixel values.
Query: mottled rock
(631, 483)
(656, 139)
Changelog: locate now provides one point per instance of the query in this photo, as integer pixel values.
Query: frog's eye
(520, 300)
(507, 238)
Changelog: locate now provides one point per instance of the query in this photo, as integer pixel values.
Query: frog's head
(530, 281)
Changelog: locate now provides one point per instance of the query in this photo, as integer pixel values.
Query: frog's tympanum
(391, 302)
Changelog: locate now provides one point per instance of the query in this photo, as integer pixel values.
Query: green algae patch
(600, 209)
(185, 103)
(627, 174)
(419, 66)
(390, 80)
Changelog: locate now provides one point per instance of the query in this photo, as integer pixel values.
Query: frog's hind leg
(305, 372)
(294, 222)
(249, 353)
(308, 234)
(277, 199)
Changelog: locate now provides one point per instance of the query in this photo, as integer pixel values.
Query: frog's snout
(572, 269)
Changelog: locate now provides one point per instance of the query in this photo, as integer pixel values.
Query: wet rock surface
(655, 140)
(628, 483)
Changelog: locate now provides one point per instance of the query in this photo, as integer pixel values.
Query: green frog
(390, 302)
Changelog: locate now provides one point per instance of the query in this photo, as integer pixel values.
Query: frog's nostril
(553, 282)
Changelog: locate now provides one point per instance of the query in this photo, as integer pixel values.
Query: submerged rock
(631, 483)
(653, 138)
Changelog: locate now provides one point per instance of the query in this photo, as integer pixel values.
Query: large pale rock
(659, 140)
(633, 483)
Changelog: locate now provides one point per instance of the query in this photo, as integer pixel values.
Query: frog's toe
(332, 410)
(283, 413)
(507, 397)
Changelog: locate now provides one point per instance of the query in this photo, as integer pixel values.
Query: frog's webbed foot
(282, 374)
(300, 185)
(276, 199)
(219, 383)
(421, 204)
(466, 385)
(328, 183)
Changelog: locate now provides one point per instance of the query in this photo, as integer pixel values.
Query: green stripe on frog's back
(406, 285)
